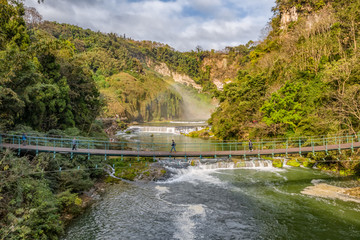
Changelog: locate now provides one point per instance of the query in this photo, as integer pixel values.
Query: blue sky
(182, 24)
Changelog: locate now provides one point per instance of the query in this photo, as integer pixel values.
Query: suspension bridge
(60, 145)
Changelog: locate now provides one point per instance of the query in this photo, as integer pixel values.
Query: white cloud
(183, 24)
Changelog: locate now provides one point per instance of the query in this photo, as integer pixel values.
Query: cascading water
(212, 199)
(222, 200)
(165, 129)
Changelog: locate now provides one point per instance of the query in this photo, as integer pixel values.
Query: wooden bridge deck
(106, 152)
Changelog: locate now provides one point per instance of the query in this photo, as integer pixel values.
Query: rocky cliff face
(311, 16)
(141, 100)
(287, 16)
(178, 77)
(222, 70)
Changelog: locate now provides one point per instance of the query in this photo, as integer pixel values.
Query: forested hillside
(303, 79)
(42, 84)
(124, 70)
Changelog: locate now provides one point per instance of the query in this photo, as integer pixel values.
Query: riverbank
(83, 202)
(328, 191)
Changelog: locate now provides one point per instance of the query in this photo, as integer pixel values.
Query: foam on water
(194, 175)
(204, 172)
(186, 224)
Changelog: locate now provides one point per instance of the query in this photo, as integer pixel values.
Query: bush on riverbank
(293, 163)
(203, 133)
(278, 163)
(137, 169)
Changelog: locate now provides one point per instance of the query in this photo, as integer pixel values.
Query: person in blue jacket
(24, 139)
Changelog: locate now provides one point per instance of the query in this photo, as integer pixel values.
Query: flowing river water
(219, 201)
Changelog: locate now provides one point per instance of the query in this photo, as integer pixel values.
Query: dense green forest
(302, 79)
(42, 86)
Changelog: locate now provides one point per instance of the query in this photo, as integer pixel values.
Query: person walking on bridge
(74, 143)
(173, 144)
(23, 139)
(250, 145)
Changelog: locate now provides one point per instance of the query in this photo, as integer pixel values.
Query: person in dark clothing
(250, 145)
(23, 139)
(74, 143)
(173, 144)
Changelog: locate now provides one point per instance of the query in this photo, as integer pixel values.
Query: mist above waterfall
(195, 106)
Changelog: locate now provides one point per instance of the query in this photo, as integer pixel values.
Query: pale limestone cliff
(163, 69)
(288, 16)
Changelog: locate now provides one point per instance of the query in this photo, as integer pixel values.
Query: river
(218, 201)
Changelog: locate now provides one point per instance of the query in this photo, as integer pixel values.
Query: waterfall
(165, 129)
(177, 165)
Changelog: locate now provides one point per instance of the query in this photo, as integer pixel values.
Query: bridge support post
(122, 157)
(244, 151)
(105, 151)
(300, 147)
(339, 145)
(352, 144)
(19, 147)
(287, 145)
(326, 149)
(37, 147)
(214, 156)
(312, 144)
(71, 155)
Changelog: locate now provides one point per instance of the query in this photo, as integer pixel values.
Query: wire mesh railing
(137, 146)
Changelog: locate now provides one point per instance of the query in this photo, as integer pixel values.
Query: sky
(182, 24)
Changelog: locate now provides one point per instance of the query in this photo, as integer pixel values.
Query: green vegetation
(203, 133)
(123, 70)
(35, 196)
(293, 163)
(130, 168)
(42, 84)
(277, 163)
(302, 79)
